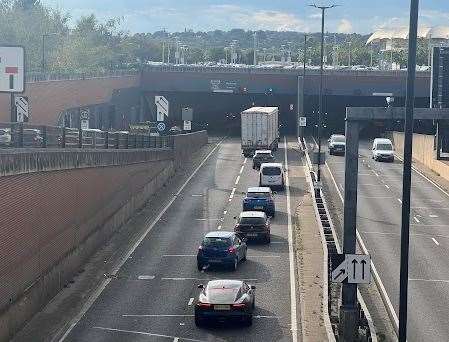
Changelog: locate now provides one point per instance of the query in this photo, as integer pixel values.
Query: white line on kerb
(294, 323)
(237, 180)
(241, 169)
(416, 219)
(190, 301)
(436, 242)
(90, 301)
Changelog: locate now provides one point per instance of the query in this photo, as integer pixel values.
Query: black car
(253, 225)
(262, 156)
(221, 248)
(225, 300)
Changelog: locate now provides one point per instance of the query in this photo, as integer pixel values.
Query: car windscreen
(256, 221)
(384, 147)
(217, 242)
(258, 194)
(271, 171)
(338, 139)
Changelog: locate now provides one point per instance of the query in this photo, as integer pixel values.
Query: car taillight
(204, 305)
(231, 249)
(238, 306)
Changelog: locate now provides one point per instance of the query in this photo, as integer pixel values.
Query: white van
(272, 175)
(383, 150)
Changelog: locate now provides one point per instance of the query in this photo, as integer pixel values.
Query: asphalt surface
(152, 296)
(379, 222)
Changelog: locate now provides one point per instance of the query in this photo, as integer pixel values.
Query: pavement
(150, 297)
(379, 221)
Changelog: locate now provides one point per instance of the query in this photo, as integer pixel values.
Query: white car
(383, 150)
(337, 144)
(272, 175)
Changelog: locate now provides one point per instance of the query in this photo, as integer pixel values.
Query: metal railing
(24, 135)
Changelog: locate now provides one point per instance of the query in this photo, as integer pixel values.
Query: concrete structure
(60, 206)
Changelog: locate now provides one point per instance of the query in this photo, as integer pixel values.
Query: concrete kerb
(338, 247)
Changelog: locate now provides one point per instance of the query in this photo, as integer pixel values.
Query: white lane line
(202, 279)
(436, 242)
(135, 332)
(433, 216)
(430, 280)
(244, 161)
(416, 219)
(241, 169)
(190, 301)
(400, 201)
(232, 192)
(294, 323)
(207, 219)
(146, 277)
(377, 175)
(387, 186)
(197, 195)
(90, 301)
(237, 180)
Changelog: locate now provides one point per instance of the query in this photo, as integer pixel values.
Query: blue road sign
(161, 126)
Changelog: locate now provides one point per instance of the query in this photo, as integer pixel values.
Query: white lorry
(260, 129)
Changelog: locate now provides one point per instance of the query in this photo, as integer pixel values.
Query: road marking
(203, 279)
(178, 255)
(146, 277)
(387, 186)
(135, 332)
(294, 323)
(225, 212)
(237, 180)
(430, 280)
(207, 219)
(244, 161)
(241, 169)
(433, 216)
(232, 192)
(90, 301)
(219, 227)
(197, 195)
(377, 175)
(416, 219)
(190, 301)
(400, 201)
(436, 242)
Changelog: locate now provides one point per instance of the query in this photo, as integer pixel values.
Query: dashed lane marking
(436, 242)
(237, 180)
(241, 169)
(190, 301)
(146, 277)
(387, 186)
(433, 216)
(136, 332)
(416, 219)
(244, 161)
(400, 201)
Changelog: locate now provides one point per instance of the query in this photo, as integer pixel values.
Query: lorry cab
(272, 175)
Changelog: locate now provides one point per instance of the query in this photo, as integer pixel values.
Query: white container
(260, 130)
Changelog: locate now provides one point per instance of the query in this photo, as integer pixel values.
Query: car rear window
(271, 171)
(252, 220)
(384, 147)
(216, 242)
(258, 194)
(338, 139)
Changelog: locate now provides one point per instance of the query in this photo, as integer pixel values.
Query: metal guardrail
(23, 135)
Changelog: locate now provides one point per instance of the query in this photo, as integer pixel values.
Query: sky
(360, 16)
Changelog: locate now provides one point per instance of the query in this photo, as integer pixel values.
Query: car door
(239, 247)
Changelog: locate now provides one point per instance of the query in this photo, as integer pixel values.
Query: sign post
(12, 73)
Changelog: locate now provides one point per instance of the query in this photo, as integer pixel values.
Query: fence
(23, 135)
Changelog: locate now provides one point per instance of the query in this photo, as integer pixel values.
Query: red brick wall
(48, 99)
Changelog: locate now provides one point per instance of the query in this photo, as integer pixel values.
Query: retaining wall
(59, 207)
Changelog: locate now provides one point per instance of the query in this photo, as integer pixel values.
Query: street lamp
(323, 9)
(45, 35)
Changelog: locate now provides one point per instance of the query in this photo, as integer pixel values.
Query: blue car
(259, 199)
(221, 249)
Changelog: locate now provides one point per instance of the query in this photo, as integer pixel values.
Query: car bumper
(206, 260)
(386, 158)
(253, 235)
(337, 150)
(222, 315)
(265, 208)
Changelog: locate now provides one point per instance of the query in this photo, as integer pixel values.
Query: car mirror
(201, 286)
(253, 287)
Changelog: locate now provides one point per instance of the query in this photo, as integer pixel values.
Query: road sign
(162, 107)
(291, 106)
(161, 126)
(187, 114)
(187, 125)
(22, 110)
(12, 69)
(355, 268)
(84, 113)
(302, 121)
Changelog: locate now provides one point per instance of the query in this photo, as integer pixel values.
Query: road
(379, 221)
(152, 296)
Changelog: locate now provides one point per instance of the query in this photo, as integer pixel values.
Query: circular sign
(161, 126)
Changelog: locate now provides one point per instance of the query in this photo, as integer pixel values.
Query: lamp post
(45, 35)
(323, 9)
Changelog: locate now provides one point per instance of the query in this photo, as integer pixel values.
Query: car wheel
(235, 264)
(244, 255)
(249, 320)
(273, 214)
(268, 239)
(200, 266)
